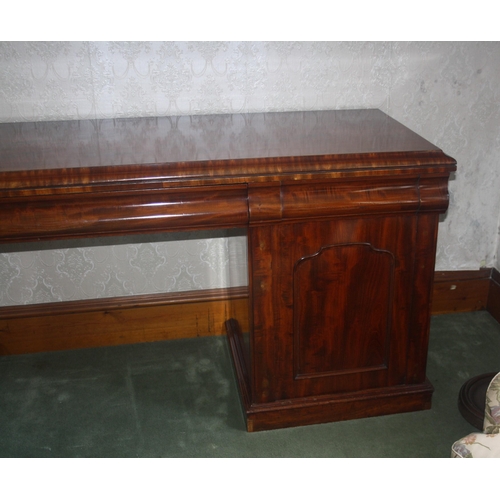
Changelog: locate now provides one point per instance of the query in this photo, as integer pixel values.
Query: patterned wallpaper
(448, 92)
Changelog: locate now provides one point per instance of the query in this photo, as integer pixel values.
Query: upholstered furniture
(484, 444)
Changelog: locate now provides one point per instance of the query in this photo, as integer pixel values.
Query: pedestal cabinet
(340, 301)
(341, 210)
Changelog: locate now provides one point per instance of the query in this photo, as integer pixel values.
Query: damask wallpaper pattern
(445, 91)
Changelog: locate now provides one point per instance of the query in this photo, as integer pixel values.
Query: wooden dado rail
(341, 210)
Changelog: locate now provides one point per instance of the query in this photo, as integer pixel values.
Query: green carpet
(179, 399)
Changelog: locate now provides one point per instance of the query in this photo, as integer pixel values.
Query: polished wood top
(201, 150)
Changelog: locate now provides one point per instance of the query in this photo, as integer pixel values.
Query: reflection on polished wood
(341, 210)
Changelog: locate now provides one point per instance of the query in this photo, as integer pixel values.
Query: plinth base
(321, 409)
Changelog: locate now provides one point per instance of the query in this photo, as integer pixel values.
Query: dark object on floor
(472, 399)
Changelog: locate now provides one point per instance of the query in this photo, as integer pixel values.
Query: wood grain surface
(341, 210)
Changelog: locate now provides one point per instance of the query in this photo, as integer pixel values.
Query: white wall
(448, 92)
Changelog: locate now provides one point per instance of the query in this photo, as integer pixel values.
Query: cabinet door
(331, 305)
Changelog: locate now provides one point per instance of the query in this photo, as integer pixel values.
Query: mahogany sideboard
(341, 211)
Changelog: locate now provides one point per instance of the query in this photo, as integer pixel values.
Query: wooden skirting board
(461, 291)
(148, 318)
(493, 305)
(115, 321)
(465, 291)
